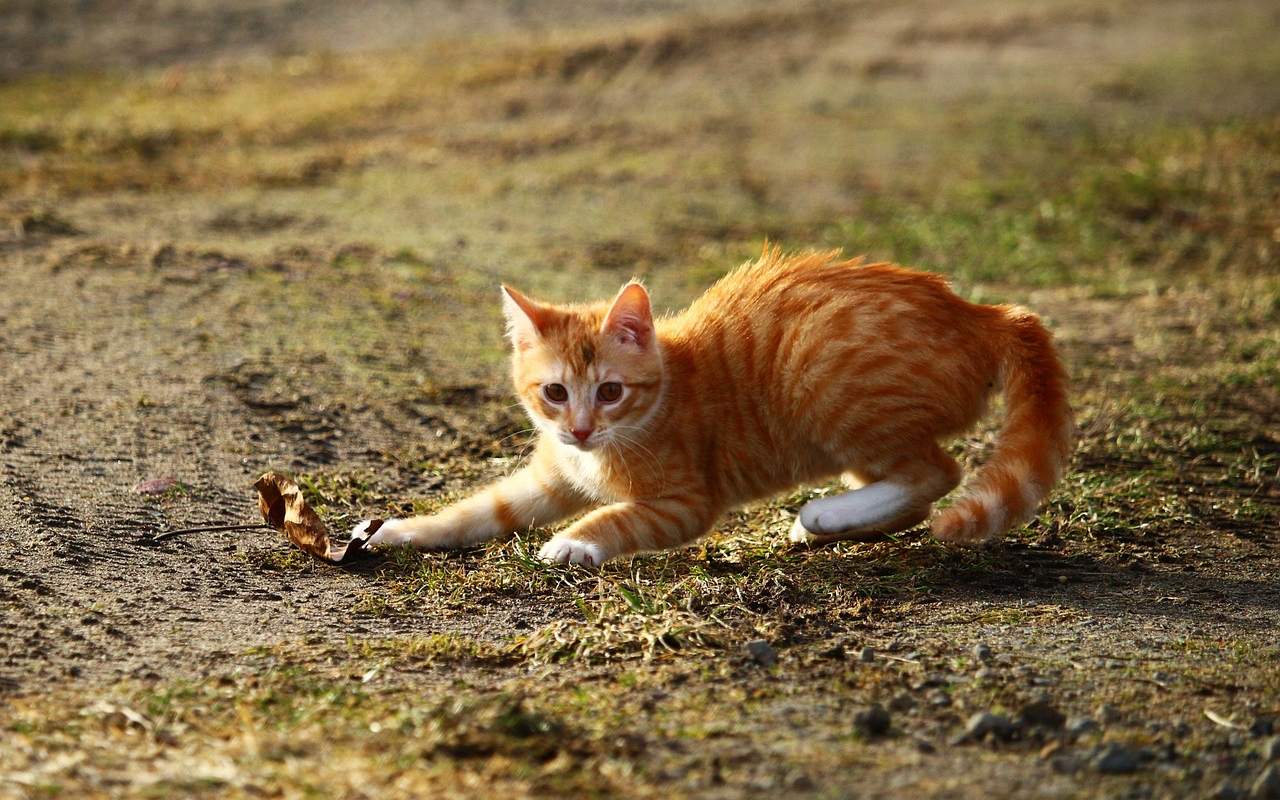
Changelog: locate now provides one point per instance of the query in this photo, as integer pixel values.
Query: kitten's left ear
(525, 318)
(630, 317)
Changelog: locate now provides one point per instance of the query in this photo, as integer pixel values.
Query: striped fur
(791, 369)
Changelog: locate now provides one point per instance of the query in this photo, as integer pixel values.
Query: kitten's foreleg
(628, 528)
(529, 497)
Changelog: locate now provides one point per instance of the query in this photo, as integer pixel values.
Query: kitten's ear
(630, 317)
(525, 318)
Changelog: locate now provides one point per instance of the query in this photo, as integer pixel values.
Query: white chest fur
(584, 470)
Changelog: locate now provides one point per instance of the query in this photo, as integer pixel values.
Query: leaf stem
(207, 529)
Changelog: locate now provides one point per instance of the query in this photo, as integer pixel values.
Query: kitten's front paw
(564, 550)
(374, 532)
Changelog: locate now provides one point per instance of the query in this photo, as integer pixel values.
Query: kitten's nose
(582, 434)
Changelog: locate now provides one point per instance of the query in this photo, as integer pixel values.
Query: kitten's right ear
(525, 318)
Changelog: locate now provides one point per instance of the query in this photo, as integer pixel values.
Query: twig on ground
(1218, 719)
(888, 657)
(208, 529)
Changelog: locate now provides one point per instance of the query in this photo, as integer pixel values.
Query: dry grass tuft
(617, 630)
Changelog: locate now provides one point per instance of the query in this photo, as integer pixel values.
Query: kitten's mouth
(589, 444)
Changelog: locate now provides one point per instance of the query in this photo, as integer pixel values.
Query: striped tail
(1032, 449)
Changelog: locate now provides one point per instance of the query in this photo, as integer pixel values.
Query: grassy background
(310, 243)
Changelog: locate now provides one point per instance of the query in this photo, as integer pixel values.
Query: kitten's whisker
(636, 443)
(622, 459)
(643, 451)
(513, 435)
(632, 445)
(523, 455)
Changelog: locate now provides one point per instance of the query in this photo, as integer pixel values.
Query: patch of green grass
(338, 490)
(1163, 203)
(279, 559)
(254, 728)
(369, 715)
(436, 647)
(629, 626)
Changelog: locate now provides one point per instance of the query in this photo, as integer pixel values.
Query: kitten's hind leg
(801, 535)
(879, 507)
(891, 500)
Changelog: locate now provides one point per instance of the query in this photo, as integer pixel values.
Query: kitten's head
(588, 375)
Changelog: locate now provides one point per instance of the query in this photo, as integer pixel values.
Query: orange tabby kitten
(789, 370)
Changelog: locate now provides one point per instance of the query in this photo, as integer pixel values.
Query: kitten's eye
(609, 392)
(555, 392)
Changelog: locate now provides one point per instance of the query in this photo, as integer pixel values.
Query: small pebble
(924, 745)
(1271, 750)
(1041, 712)
(1116, 760)
(902, 701)
(1267, 787)
(984, 723)
(834, 652)
(1108, 713)
(982, 652)
(939, 699)
(872, 721)
(762, 652)
(985, 674)
(867, 655)
(934, 679)
(1065, 764)
(1079, 726)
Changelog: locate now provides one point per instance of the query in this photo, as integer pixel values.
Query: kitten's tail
(1032, 449)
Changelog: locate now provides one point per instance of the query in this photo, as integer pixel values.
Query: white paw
(798, 534)
(376, 532)
(872, 505)
(821, 522)
(563, 550)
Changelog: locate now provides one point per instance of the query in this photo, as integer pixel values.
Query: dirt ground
(268, 235)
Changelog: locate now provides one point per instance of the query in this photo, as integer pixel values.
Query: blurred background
(268, 234)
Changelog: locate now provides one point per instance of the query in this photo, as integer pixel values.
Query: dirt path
(105, 387)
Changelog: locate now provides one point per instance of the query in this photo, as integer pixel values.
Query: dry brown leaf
(284, 509)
